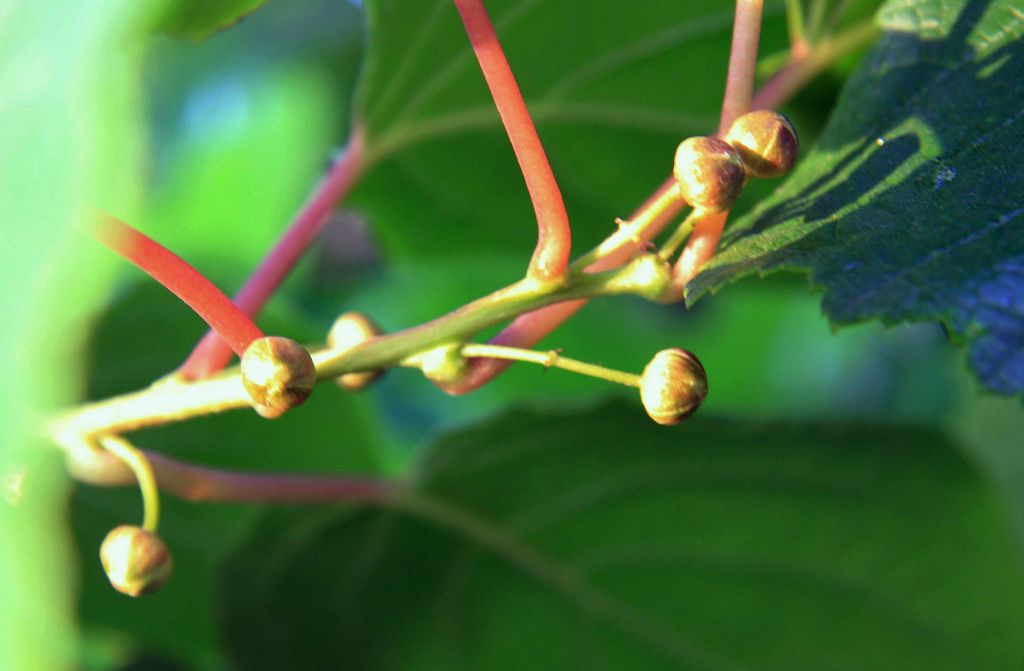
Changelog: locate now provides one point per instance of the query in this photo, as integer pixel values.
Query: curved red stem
(551, 256)
(181, 279)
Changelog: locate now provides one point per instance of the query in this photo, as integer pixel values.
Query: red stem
(739, 82)
(181, 279)
(551, 256)
(212, 354)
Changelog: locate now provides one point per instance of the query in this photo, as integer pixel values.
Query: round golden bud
(648, 276)
(350, 330)
(709, 172)
(673, 385)
(444, 364)
(278, 373)
(136, 561)
(766, 141)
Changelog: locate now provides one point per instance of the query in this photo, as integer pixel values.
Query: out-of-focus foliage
(239, 127)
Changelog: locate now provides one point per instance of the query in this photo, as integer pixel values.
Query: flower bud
(136, 561)
(349, 330)
(673, 385)
(648, 276)
(278, 373)
(766, 141)
(443, 364)
(709, 172)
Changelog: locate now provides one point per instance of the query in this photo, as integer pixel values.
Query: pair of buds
(711, 172)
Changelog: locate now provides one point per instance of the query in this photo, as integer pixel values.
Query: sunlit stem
(678, 236)
(550, 359)
(143, 472)
(815, 18)
(632, 231)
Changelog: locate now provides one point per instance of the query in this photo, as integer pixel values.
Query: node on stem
(673, 385)
(766, 142)
(350, 330)
(136, 561)
(710, 173)
(278, 373)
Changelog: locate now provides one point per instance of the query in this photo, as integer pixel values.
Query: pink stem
(182, 280)
(739, 83)
(199, 483)
(212, 353)
(551, 256)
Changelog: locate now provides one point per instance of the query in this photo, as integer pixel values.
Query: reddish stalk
(212, 354)
(528, 329)
(181, 279)
(551, 256)
(200, 483)
(739, 82)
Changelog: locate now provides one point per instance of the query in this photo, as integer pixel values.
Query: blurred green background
(212, 146)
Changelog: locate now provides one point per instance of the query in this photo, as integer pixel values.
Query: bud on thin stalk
(136, 561)
(673, 385)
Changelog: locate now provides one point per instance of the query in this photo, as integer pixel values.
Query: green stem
(550, 359)
(797, 28)
(630, 231)
(140, 466)
(678, 237)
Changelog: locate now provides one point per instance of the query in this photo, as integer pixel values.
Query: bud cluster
(711, 172)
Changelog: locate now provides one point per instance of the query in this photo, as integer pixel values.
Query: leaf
(612, 90)
(910, 207)
(69, 102)
(198, 19)
(603, 541)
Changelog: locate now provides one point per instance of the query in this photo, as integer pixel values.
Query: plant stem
(143, 473)
(550, 359)
(797, 73)
(199, 483)
(798, 44)
(212, 353)
(528, 329)
(739, 84)
(678, 237)
(551, 256)
(181, 279)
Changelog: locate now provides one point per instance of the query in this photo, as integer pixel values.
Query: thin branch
(551, 256)
(212, 353)
(199, 483)
(181, 279)
(739, 84)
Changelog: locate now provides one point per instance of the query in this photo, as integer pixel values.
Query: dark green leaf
(910, 206)
(603, 541)
(198, 19)
(612, 89)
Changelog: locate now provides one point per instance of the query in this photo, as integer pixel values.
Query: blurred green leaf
(600, 540)
(612, 91)
(909, 207)
(70, 141)
(198, 19)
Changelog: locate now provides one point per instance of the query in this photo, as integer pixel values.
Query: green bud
(648, 276)
(136, 561)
